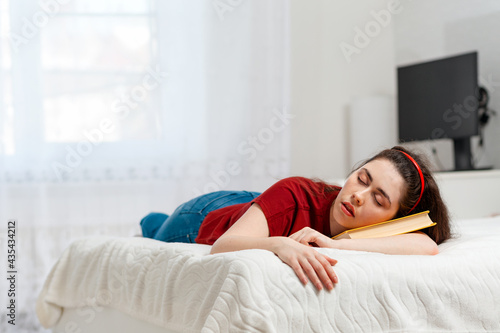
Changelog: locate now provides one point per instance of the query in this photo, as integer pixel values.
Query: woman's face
(370, 195)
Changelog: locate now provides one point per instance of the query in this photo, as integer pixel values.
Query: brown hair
(431, 198)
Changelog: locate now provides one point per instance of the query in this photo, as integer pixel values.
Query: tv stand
(463, 154)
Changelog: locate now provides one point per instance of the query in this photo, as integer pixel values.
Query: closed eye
(380, 191)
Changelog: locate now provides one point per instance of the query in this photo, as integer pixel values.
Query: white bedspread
(179, 286)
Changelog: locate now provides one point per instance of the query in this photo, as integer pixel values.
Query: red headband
(421, 179)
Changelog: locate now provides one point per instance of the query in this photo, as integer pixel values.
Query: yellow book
(393, 227)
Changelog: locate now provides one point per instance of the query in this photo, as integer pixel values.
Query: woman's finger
(297, 268)
(311, 273)
(332, 261)
(322, 240)
(322, 265)
(296, 236)
(304, 241)
(301, 238)
(327, 263)
(325, 272)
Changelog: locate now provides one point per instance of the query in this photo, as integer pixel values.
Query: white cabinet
(470, 194)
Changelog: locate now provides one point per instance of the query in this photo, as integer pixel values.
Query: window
(137, 89)
(107, 47)
(6, 110)
(78, 78)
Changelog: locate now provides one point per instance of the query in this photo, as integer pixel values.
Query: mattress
(103, 319)
(180, 287)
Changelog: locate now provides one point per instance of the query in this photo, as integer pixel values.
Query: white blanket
(181, 287)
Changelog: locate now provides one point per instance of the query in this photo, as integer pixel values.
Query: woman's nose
(358, 198)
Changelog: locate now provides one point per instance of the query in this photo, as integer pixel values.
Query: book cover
(393, 227)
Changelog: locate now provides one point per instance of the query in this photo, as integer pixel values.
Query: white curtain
(111, 109)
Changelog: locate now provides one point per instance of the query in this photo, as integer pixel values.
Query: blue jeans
(183, 225)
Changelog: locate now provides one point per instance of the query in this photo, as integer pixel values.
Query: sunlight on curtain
(82, 82)
(85, 83)
(111, 109)
(144, 90)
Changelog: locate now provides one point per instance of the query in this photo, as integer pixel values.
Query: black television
(439, 100)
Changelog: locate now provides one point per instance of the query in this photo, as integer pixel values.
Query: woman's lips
(347, 208)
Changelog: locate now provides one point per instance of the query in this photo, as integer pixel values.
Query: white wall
(323, 81)
(432, 29)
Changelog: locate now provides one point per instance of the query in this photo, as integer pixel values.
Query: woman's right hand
(307, 263)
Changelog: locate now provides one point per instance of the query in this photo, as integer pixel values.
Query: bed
(110, 284)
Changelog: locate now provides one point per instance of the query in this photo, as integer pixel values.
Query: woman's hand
(252, 232)
(307, 263)
(309, 236)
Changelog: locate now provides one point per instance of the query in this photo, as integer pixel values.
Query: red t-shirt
(289, 205)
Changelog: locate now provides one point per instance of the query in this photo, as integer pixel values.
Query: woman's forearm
(236, 243)
(413, 243)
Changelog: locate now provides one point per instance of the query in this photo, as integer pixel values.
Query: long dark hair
(431, 198)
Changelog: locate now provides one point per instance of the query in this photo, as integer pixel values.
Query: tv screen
(438, 99)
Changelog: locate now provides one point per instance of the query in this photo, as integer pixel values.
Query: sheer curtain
(110, 109)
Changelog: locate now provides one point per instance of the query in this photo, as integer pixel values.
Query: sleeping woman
(296, 214)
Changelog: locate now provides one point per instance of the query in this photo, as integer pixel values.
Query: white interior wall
(323, 81)
(432, 29)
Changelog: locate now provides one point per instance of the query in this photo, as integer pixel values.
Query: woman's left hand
(309, 236)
